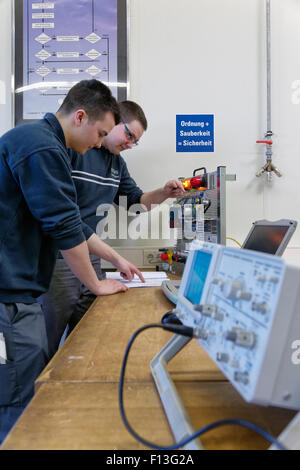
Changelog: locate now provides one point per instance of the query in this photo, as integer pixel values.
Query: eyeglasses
(130, 135)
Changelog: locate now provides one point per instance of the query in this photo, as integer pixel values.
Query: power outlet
(151, 257)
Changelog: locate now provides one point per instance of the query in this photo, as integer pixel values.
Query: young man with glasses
(101, 177)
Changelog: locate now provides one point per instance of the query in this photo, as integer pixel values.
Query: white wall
(208, 56)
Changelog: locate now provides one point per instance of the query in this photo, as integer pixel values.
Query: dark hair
(93, 97)
(131, 111)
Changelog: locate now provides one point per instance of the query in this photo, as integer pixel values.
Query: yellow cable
(229, 238)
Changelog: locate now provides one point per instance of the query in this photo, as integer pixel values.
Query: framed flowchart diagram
(60, 42)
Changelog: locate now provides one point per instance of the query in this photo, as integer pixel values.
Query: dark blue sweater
(101, 178)
(38, 210)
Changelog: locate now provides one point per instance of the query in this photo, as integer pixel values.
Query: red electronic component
(164, 257)
(196, 182)
(187, 183)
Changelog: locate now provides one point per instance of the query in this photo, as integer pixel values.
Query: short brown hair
(131, 111)
(94, 97)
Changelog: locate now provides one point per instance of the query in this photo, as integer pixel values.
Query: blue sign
(194, 133)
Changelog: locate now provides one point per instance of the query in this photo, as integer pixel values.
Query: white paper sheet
(153, 279)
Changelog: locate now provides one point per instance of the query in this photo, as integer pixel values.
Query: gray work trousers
(66, 301)
(23, 327)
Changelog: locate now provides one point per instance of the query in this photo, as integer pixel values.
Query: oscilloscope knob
(232, 289)
(244, 295)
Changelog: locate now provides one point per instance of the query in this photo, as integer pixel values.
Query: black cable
(208, 206)
(185, 331)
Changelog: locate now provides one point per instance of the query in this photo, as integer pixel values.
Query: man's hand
(101, 249)
(128, 269)
(173, 188)
(79, 262)
(110, 286)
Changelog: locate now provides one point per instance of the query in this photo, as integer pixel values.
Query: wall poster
(195, 133)
(60, 42)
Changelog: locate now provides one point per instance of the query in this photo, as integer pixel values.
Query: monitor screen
(266, 238)
(198, 273)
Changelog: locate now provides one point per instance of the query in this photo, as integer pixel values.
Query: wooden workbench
(84, 416)
(76, 400)
(96, 347)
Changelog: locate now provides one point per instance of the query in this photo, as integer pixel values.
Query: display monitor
(270, 237)
(198, 273)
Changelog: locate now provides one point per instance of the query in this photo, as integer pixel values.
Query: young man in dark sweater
(101, 177)
(39, 216)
